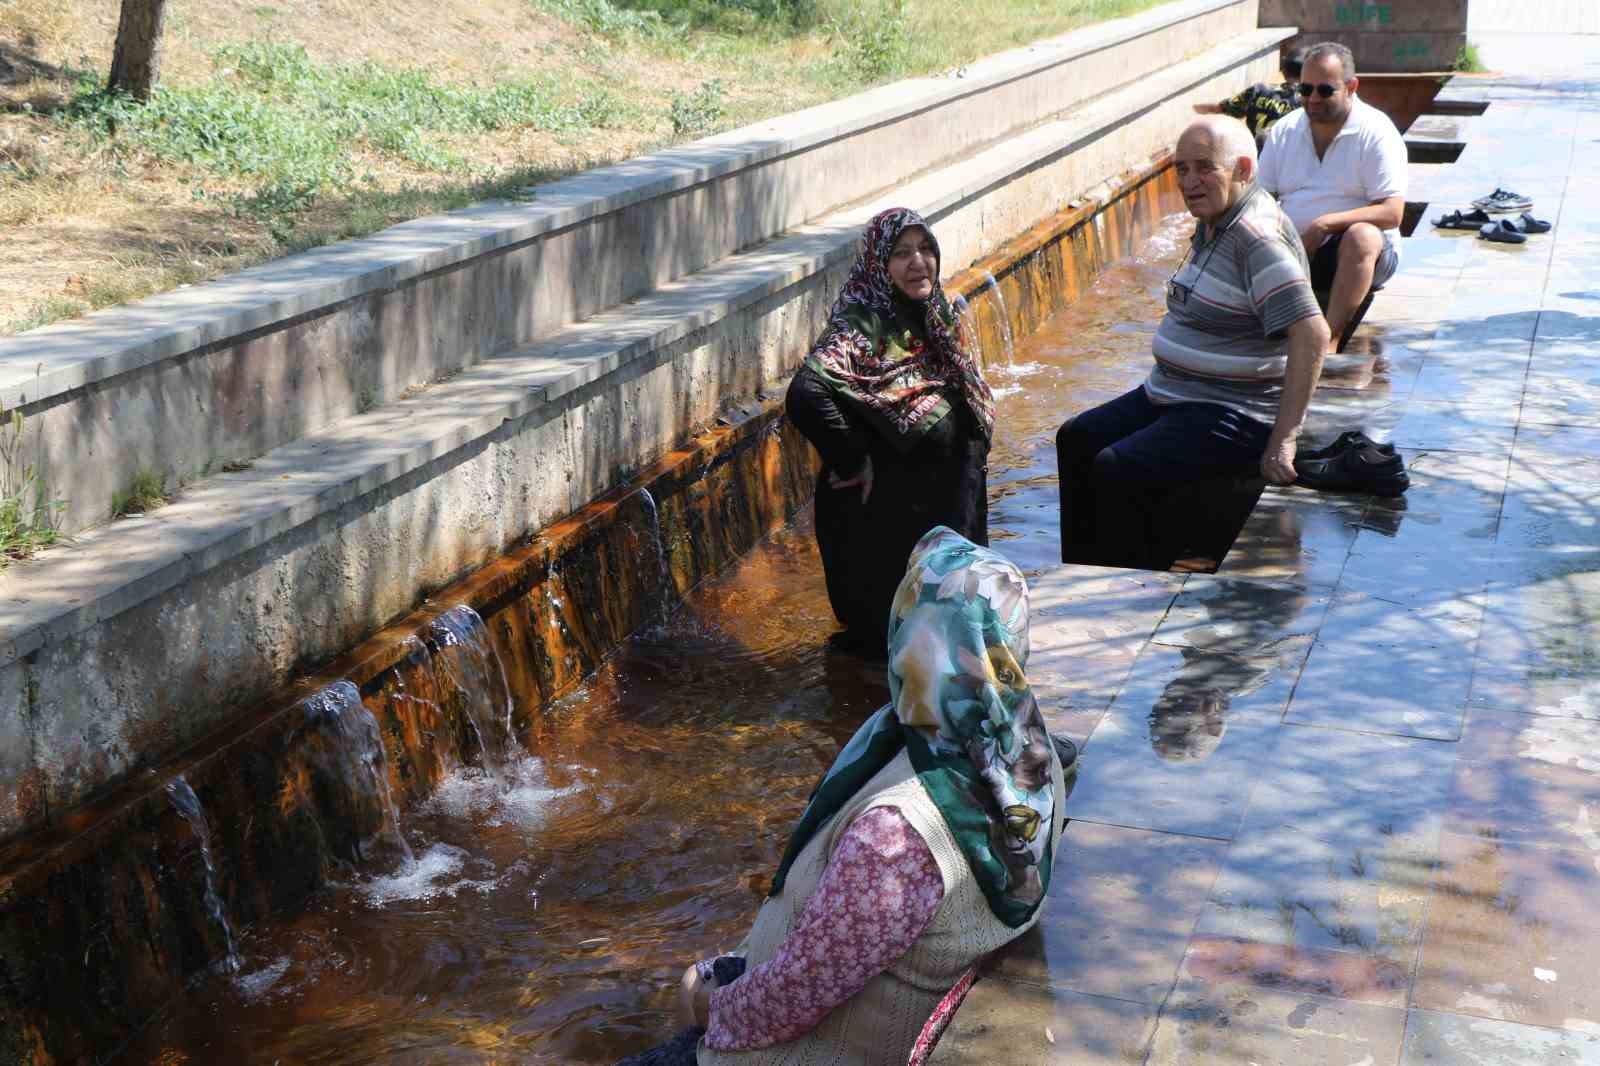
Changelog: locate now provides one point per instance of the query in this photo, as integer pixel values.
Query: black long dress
(943, 480)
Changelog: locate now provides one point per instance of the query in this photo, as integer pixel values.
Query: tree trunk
(137, 60)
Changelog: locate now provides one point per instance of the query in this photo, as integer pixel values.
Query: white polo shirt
(1365, 163)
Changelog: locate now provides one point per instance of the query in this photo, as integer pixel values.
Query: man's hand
(1277, 462)
(1313, 236)
(863, 478)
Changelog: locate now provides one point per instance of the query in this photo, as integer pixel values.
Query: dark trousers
(1121, 461)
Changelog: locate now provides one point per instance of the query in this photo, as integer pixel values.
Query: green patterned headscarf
(962, 709)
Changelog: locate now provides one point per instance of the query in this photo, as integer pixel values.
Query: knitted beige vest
(880, 1024)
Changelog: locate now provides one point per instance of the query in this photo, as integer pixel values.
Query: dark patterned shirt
(1260, 106)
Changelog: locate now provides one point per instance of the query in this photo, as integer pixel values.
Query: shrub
(698, 112)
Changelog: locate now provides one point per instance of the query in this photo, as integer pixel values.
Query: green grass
(273, 115)
(147, 492)
(27, 510)
(1468, 61)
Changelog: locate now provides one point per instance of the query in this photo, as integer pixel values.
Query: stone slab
(1528, 779)
(1006, 1021)
(1207, 1024)
(1511, 935)
(1121, 907)
(1335, 854)
(1175, 751)
(1439, 1039)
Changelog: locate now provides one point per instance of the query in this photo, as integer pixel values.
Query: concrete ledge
(184, 382)
(145, 634)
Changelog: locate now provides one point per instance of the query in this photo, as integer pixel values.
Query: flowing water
(548, 913)
(468, 662)
(187, 804)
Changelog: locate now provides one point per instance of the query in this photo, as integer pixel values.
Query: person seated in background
(892, 399)
(1237, 358)
(927, 845)
(1259, 106)
(1338, 167)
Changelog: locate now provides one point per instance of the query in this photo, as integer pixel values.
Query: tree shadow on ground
(28, 83)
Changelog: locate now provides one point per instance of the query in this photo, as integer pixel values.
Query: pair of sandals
(1503, 231)
(1353, 463)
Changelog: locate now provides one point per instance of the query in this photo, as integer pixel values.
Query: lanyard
(1180, 292)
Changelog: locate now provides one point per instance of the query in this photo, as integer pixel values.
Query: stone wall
(1390, 36)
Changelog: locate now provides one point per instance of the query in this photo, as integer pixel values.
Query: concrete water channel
(1338, 804)
(545, 915)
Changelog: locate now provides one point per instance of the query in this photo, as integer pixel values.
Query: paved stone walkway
(1341, 801)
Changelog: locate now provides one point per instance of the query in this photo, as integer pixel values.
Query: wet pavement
(1343, 807)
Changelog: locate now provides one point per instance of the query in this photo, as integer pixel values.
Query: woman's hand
(863, 478)
(694, 999)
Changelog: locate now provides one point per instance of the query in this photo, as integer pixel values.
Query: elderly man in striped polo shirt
(1236, 360)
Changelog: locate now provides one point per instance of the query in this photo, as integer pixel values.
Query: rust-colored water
(547, 923)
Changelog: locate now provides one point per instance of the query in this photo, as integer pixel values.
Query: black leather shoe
(1375, 469)
(1350, 438)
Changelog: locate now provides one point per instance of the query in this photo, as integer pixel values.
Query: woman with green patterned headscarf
(927, 845)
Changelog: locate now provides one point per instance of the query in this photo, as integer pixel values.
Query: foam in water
(433, 874)
(252, 986)
(521, 799)
(188, 806)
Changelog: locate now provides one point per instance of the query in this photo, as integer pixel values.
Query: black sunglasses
(1324, 90)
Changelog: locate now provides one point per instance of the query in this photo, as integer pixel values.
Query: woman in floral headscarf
(902, 418)
(927, 845)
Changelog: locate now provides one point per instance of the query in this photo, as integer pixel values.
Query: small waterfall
(1005, 318)
(664, 574)
(969, 326)
(187, 804)
(469, 662)
(355, 757)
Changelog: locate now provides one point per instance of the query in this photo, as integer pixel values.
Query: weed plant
(1468, 60)
(147, 492)
(697, 113)
(27, 510)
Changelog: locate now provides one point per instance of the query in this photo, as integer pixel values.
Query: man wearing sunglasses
(1338, 167)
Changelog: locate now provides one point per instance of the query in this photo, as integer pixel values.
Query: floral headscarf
(962, 708)
(894, 374)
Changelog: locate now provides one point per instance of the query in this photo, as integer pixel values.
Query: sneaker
(1503, 200)
(1375, 469)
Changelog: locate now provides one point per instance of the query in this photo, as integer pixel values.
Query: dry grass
(92, 219)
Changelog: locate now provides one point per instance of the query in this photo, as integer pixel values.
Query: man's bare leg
(1358, 259)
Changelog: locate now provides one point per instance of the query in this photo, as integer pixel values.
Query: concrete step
(215, 601)
(179, 385)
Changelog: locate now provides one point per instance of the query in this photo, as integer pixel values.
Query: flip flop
(1463, 220)
(1528, 224)
(1503, 232)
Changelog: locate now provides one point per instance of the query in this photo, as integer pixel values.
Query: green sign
(1361, 14)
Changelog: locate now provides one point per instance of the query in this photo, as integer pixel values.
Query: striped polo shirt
(1229, 309)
